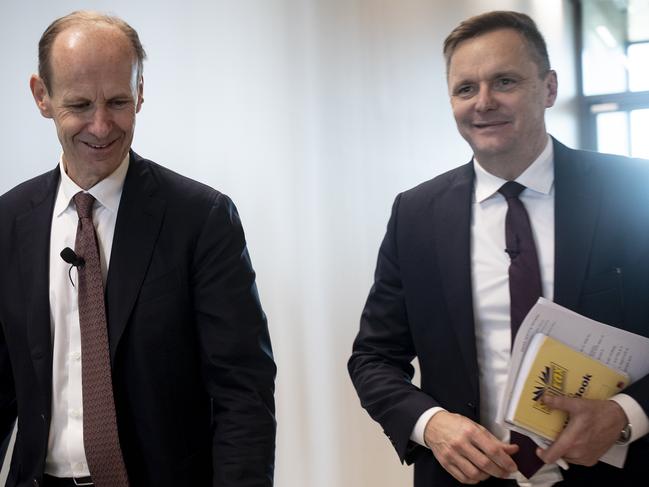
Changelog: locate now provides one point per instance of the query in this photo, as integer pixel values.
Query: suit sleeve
(380, 365)
(236, 353)
(8, 410)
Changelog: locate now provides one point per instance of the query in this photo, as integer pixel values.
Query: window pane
(640, 133)
(639, 67)
(612, 133)
(608, 27)
(638, 12)
(604, 40)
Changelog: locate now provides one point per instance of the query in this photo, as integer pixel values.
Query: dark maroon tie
(524, 289)
(100, 437)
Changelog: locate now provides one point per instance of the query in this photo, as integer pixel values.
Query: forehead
(501, 50)
(92, 52)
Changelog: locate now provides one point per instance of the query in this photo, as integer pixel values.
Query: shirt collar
(539, 176)
(107, 192)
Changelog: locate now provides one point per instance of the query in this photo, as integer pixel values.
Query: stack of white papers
(619, 349)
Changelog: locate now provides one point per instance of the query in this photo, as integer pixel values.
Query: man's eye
(79, 106)
(505, 83)
(119, 103)
(464, 91)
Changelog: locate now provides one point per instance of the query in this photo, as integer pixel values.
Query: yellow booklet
(553, 367)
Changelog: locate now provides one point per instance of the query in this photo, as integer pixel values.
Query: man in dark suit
(442, 283)
(185, 341)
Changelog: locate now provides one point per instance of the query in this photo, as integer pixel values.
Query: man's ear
(551, 85)
(41, 96)
(140, 95)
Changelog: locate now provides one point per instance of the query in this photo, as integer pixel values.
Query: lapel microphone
(71, 257)
(513, 253)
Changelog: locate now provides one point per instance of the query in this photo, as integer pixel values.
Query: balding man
(140, 355)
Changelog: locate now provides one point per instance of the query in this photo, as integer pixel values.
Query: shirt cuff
(634, 413)
(417, 434)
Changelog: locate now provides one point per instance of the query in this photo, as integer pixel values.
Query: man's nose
(101, 123)
(485, 100)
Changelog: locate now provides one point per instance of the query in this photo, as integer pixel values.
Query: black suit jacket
(192, 364)
(421, 302)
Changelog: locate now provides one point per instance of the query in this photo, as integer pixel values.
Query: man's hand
(593, 427)
(467, 450)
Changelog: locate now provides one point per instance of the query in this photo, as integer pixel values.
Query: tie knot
(83, 202)
(511, 189)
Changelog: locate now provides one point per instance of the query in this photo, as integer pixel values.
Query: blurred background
(312, 115)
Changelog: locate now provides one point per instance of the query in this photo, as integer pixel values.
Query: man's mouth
(99, 146)
(483, 125)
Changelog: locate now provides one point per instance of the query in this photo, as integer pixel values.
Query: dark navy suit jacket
(191, 359)
(421, 302)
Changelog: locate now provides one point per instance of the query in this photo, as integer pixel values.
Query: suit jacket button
(470, 405)
(35, 482)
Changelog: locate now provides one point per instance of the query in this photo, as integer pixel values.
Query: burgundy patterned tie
(100, 437)
(524, 289)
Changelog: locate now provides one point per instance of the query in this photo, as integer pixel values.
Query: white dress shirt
(491, 299)
(65, 454)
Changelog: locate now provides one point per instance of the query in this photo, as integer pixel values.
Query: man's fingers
(558, 449)
(472, 473)
(593, 426)
(559, 402)
(490, 464)
(459, 474)
(467, 450)
(566, 439)
(454, 458)
(555, 451)
(510, 448)
(492, 456)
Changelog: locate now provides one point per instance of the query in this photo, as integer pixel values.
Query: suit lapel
(452, 225)
(577, 194)
(33, 239)
(136, 231)
(577, 199)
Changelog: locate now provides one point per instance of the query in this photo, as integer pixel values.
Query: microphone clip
(513, 253)
(71, 257)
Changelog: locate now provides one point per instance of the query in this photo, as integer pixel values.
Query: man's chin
(93, 166)
(490, 150)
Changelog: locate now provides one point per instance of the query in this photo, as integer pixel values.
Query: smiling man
(141, 355)
(468, 253)
(92, 91)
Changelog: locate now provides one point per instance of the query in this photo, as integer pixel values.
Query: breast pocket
(602, 297)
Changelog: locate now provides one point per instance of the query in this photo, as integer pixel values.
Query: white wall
(312, 115)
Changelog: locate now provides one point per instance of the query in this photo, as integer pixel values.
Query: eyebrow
(79, 98)
(74, 99)
(499, 74)
(503, 74)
